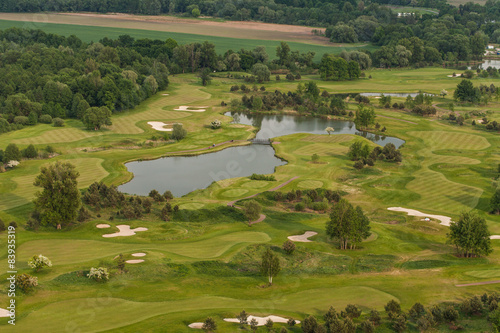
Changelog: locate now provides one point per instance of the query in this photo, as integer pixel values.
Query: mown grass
(204, 261)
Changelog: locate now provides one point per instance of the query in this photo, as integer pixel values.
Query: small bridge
(261, 141)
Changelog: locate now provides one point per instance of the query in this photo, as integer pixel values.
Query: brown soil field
(232, 29)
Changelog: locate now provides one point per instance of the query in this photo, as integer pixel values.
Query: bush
(37, 262)
(178, 132)
(2, 226)
(45, 119)
(99, 274)
(216, 124)
(26, 283)
(290, 77)
(367, 327)
(30, 152)
(58, 122)
(262, 177)
(288, 247)
(300, 206)
(13, 224)
(22, 120)
(352, 311)
(450, 314)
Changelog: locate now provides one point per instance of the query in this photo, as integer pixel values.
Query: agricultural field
(225, 35)
(204, 261)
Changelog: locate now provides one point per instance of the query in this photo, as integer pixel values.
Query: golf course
(203, 262)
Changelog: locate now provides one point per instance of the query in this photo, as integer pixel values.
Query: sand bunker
(102, 226)
(165, 94)
(192, 108)
(4, 313)
(261, 321)
(140, 254)
(445, 220)
(303, 238)
(457, 75)
(160, 126)
(124, 231)
(196, 325)
(134, 261)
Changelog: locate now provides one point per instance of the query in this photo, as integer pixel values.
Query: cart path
(262, 216)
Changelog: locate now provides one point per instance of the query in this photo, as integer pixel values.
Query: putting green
(235, 193)
(322, 149)
(192, 205)
(310, 184)
(257, 184)
(451, 140)
(489, 273)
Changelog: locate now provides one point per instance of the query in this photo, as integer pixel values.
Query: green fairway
(204, 259)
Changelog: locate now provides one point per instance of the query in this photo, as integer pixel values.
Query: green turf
(205, 262)
(222, 44)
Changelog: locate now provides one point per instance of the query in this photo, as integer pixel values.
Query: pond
(184, 174)
(271, 126)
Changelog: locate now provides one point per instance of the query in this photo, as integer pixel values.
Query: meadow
(231, 38)
(205, 261)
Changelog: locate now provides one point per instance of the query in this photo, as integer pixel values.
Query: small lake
(272, 126)
(184, 174)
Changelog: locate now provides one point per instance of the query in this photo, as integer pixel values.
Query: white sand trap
(192, 108)
(303, 238)
(165, 94)
(196, 325)
(261, 321)
(134, 261)
(140, 254)
(102, 226)
(457, 75)
(160, 126)
(4, 313)
(445, 220)
(124, 231)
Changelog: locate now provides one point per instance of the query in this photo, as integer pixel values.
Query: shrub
(262, 177)
(13, 224)
(2, 225)
(300, 206)
(26, 283)
(58, 122)
(375, 317)
(45, 119)
(216, 124)
(353, 311)
(99, 274)
(367, 327)
(450, 314)
(22, 120)
(30, 152)
(291, 322)
(290, 77)
(289, 247)
(37, 262)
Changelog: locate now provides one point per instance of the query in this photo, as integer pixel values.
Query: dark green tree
(466, 92)
(205, 77)
(59, 200)
(495, 202)
(95, 117)
(470, 235)
(365, 116)
(11, 153)
(252, 210)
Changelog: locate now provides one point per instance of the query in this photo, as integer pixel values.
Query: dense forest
(450, 34)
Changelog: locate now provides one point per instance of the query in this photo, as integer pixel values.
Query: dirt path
(477, 283)
(262, 216)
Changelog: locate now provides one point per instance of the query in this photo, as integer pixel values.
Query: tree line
(454, 33)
